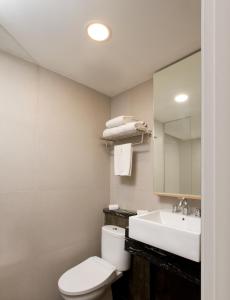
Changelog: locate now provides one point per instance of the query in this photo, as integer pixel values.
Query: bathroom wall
(137, 191)
(51, 194)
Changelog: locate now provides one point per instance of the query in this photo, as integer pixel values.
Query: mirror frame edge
(178, 196)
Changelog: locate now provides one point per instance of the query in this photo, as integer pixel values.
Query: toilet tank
(113, 247)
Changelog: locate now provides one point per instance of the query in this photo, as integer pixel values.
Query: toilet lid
(85, 277)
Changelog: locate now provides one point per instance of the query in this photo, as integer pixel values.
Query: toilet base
(107, 295)
(95, 295)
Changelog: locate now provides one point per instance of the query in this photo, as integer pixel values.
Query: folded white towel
(123, 130)
(123, 155)
(118, 121)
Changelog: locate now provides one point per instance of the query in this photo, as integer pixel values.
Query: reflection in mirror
(177, 127)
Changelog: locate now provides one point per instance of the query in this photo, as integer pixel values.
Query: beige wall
(137, 192)
(51, 195)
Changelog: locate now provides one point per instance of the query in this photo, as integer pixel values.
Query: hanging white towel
(123, 130)
(123, 156)
(118, 121)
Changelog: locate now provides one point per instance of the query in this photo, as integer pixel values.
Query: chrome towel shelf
(111, 141)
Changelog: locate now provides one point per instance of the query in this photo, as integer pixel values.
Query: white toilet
(90, 279)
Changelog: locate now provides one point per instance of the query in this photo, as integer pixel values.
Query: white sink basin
(169, 231)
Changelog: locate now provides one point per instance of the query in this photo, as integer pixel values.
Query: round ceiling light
(181, 98)
(98, 32)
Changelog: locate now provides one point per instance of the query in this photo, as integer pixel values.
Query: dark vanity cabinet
(154, 274)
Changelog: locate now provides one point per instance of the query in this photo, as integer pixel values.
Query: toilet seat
(86, 277)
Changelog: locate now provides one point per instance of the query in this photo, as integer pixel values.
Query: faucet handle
(197, 212)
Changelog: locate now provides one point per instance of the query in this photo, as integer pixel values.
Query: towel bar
(111, 141)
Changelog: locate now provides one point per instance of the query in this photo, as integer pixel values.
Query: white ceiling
(146, 35)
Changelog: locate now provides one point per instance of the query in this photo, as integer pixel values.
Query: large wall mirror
(177, 128)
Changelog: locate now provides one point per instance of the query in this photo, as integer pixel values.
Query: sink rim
(139, 217)
(175, 240)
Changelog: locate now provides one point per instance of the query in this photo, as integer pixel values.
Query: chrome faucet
(182, 206)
